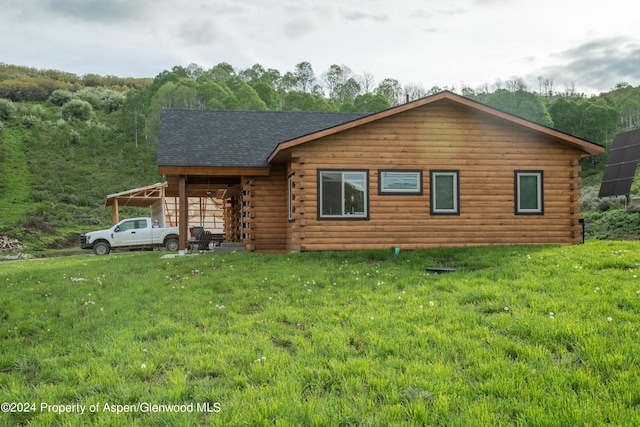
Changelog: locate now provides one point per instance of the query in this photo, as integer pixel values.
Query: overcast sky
(592, 44)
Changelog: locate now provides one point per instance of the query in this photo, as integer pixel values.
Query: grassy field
(525, 336)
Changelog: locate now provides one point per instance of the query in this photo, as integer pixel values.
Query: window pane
(445, 192)
(331, 193)
(529, 192)
(354, 195)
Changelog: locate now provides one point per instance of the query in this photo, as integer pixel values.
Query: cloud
(201, 32)
(359, 15)
(599, 63)
(98, 10)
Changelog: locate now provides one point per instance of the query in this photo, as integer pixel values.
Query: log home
(440, 171)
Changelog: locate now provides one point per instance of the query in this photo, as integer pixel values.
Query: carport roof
(222, 138)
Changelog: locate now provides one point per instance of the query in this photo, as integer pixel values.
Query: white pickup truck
(132, 233)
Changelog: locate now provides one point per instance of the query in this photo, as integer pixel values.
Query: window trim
(401, 192)
(540, 187)
(343, 217)
(456, 188)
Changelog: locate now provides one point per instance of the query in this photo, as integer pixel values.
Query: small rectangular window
(400, 182)
(445, 188)
(291, 198)
(343, 194)
(529, 193)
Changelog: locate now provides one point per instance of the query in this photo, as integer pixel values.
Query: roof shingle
(223, 138)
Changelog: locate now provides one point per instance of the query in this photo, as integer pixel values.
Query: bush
(613, 224)
(60, 97)
(7, 108)
(76, 109)
(31, 121)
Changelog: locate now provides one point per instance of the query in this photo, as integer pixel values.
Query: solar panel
(621, 164)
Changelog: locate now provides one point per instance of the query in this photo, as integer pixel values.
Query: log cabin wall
(264, 211)
(485, 150)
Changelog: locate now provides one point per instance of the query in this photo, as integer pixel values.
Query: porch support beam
(183, 214)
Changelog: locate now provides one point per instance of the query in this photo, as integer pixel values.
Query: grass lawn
(516, 336)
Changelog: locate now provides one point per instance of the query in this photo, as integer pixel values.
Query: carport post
(115, 214)
(182, 215)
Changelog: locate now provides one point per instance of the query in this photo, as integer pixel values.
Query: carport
(203, 208)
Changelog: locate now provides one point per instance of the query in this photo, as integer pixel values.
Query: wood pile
(9, 244)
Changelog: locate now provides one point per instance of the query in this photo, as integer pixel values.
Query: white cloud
(443, 42)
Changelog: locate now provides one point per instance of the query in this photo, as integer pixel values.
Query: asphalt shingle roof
(223, 138)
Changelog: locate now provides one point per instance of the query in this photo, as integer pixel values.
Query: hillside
(68, 141)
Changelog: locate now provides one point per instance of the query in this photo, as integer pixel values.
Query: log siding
(484, 150)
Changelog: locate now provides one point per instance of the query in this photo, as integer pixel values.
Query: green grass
(516, 336)
(16, 177)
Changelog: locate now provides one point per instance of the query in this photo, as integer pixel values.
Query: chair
(203, 241)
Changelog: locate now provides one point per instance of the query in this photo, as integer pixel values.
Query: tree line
(140, 101)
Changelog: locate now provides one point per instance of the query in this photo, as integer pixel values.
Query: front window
(529, 191)
(445, 199)
(343, 194)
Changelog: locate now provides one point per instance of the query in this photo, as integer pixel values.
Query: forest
(66, 141)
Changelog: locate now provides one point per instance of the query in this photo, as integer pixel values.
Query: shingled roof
(223, 138)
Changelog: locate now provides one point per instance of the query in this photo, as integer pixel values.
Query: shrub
(112, 101)
(31, 121)
(76, 109)
(7, 108)
(74, 137)
(60, 97)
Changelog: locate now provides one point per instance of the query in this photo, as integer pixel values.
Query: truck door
(134, 232)
(144, 232)
(125, 234)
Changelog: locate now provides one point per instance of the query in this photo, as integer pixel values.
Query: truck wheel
(171, 244)
(101, 248)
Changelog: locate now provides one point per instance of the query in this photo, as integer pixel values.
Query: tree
(391, 90)
(252, 74)
(333, 77)
(566, 116)
(162, 78)
(303, 101)
(516, 84)
(266, 93)
(521, 103)
(304, 76)
(370, 103)
(348, 90)
(221, 72)
(213, 93)
(284, 85)
(132, 113)
(367, 81)
(599, 121)
(248, 99)
(194, 71)
(414, 91)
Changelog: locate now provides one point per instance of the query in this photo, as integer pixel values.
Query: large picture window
(445, 189)
(343, 194)
(529, 193)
